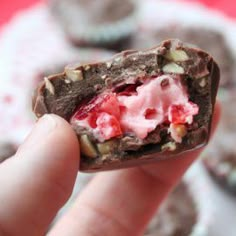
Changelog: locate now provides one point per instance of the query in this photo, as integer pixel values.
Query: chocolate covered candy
(107, 24)
(206, 38)
(138, 107)
(220, 156)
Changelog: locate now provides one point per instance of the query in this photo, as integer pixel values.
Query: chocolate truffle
(100, 23)
(138, 107)
(220, 156)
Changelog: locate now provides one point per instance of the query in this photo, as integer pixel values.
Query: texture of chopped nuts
(189, 119)
(142, 67)
(87, 147)
(104, 76)
(117, 59)
(87, 67)
(203, 82)
(106, 147)
(173, 68)
(74, 75)
(67, 81)
(170, 146)
(49, 86)
(108, 64)
(177, 55)
(180, 130)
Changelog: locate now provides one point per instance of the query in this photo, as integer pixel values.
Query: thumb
(39, 179)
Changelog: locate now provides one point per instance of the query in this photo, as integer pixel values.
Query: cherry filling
(139, 109)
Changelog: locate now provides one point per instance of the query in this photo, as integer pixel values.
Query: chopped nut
(87, 67)
(203, 82)
(177, 55)
(170, 146)
(154, 73)
(142, 67)
(117, 59)
(87, 147)
(180, 130)
(177, 132)
(74, 75)
(105, 157)
(108, 64)
(103, 76)
(189, 119)
(173, 68)
(67, 81)
(49, 86)
(131, 73)
(106, 147)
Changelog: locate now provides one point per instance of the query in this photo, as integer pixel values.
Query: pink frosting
(139, 111)
(159, 95)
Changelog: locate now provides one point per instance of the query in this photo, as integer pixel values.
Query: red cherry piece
(87, 107)
(108, 126)
(110, 105)
(92, 118)
(122, 109)
(105, 102)
(150, 113)
(179, 113)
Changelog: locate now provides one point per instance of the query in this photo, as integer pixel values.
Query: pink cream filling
(158, 100)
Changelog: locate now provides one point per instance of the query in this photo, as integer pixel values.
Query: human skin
(38, 180)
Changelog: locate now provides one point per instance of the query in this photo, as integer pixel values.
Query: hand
(38, 180)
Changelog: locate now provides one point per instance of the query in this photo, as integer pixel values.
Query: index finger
(38, 180)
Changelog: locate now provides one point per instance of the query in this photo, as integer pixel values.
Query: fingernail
(41, 130)
(44, 126)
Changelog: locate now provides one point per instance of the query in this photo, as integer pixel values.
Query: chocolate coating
(204, 38)
(61, 94)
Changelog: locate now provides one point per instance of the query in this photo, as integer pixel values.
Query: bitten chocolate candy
(138, 107)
